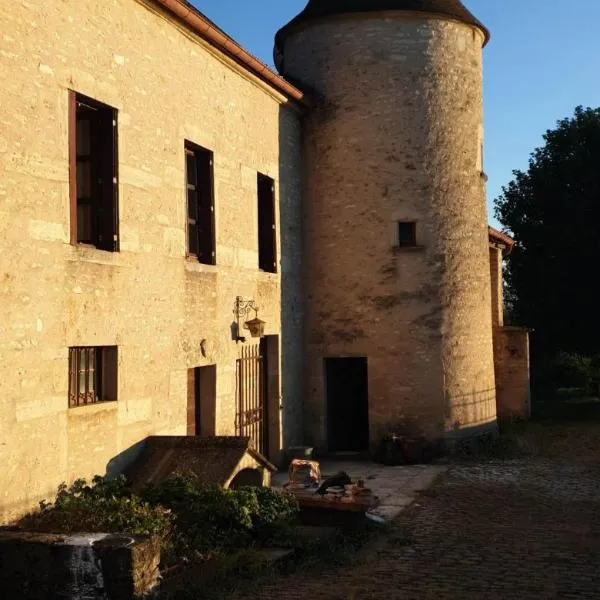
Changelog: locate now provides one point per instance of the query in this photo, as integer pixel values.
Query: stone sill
(402, 249)
(193, 265)
(108, 406)
(85, 253)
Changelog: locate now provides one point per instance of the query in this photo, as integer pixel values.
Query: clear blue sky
(542, 61)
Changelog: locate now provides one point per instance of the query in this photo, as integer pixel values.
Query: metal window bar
(83, 376)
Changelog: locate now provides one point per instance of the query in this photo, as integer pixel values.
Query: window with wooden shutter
(93, 173)
(200, 204)
(92, 375)
(267, 240)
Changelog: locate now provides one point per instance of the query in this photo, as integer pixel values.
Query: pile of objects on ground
(337, 492)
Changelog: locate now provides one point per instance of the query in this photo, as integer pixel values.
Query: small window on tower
(407, 234)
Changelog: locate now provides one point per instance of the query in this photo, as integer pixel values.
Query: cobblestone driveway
(519, 529)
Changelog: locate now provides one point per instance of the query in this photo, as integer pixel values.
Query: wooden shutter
(105, 159)
(192, 201)
(267, 234)
(206, 208)
(73, 165)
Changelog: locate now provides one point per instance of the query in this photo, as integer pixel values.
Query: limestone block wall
(396, 135)
(511, 358)
(148, 299)
(497, 279)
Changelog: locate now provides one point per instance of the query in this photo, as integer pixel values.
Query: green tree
(553, 212)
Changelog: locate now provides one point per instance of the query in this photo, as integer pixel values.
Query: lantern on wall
(255, 326)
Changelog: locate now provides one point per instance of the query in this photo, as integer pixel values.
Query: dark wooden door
(202, 400)
(347, 404)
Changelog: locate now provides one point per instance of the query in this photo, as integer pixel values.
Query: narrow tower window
(93, 173)
(200, 204)
(407, 234)
(267, 242)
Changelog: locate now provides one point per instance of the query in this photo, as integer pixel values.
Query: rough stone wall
(148, 299)
(38, 566)
(497, 280)
(396, 136)
(511, 358)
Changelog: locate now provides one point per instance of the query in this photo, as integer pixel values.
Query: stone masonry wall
(511, 357)
(396, 136)
(496, 277)
(148, 299)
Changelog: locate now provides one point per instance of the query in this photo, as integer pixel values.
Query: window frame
(96, 391)
(108, 245)
(205, 204)
(412, 243)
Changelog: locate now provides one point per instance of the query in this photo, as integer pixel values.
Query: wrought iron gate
(251, 417)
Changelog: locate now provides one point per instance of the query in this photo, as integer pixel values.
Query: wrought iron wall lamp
(255, 326)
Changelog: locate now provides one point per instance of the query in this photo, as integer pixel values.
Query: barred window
(92, 375)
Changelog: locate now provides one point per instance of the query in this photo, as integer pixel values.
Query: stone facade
(166, 313)
(391, 134)
(395, 136)
(511, 361)
(511, 344)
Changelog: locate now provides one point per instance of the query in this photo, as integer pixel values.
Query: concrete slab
(396, 487)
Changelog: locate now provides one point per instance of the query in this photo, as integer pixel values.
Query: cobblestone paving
(517, 529)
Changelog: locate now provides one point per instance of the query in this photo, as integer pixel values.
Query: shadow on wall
(292, 310)
(119, 464)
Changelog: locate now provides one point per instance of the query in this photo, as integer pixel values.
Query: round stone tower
(398, 301)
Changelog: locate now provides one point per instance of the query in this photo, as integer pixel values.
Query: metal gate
(251, 417)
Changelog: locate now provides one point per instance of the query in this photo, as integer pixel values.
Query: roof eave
(208, 31)
(299, 21)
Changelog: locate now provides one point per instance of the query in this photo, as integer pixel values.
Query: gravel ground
(519, 528)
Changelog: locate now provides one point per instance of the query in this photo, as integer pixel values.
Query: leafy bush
(102, 507)
(191, 520)
(210, 519)
(274, 509)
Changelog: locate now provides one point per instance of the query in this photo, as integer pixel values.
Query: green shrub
(274, 509)
(210, 519)
(102, 507)
(191, 520)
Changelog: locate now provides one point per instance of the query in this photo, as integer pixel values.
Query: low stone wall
(91, 566)
(511, 363)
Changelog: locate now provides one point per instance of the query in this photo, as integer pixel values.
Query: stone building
(158, 184)
(140, 158)
(511, 344)
(398, 330)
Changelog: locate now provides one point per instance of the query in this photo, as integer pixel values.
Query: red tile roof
(499, 238)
